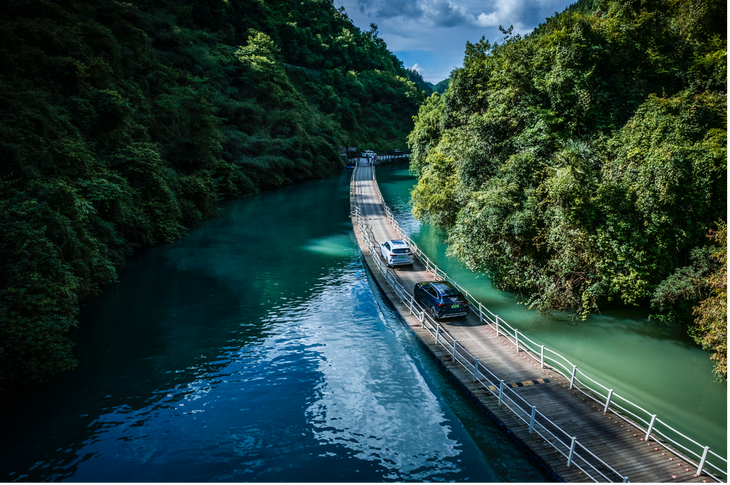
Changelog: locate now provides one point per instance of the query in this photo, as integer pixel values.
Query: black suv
(441, 299)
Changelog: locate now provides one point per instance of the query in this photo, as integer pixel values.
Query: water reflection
(330, 374)
(373, 401)
(334, 245)
(248, 352)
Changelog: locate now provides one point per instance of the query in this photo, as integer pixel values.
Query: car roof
(397, 242)
(442, 286)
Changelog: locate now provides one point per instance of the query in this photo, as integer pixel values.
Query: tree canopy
(124, 123)
(583, 165)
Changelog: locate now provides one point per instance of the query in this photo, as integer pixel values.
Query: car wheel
(434, 313)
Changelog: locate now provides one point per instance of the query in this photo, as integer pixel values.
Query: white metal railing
(538, 423)
(686, 448)
(392, 156)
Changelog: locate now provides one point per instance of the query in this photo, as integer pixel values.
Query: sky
(430, 35)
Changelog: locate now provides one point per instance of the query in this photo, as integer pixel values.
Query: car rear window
(445, 288)
(401, 251)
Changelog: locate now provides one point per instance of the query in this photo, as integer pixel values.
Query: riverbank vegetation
(584, 165)
(123, 124)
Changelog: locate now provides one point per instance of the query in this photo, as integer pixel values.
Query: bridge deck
(611, 439)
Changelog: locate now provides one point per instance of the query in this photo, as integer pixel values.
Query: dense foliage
(583, 165)
(122, 124)
(710, 329)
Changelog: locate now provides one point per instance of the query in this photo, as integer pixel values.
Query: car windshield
(452, 292)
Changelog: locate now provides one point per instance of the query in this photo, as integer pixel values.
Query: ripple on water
(372, 400)
(211, 360)
(328, 381)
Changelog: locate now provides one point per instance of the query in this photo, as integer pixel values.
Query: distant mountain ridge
(441, 87)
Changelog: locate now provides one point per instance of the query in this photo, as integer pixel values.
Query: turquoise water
(255, 349)
(656, 366)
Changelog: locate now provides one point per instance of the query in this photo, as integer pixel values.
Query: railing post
(702, 461)
(501, 390)
(496, 320)
(423, 315)
(438, 327)
(481, 315)
(651, 427)
(532, 419)
(626, 480)
(572, 377)
(572, 449)
(608, 401)
(453, 354)
(476, 369)
(517, 340)
(542, 357)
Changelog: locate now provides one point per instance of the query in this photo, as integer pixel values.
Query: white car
(396, 253)
(371, 153)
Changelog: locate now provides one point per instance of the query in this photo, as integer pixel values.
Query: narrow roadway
(611, 439)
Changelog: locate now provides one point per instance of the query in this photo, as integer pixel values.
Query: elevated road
(559, 426)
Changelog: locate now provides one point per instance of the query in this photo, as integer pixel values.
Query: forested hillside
(123, 124)
(584, 166)
(415, 76)
(441, 87)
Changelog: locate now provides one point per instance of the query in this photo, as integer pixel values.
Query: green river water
(256, 349)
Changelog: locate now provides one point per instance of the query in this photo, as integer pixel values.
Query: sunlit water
(255, 349)
(654, 365)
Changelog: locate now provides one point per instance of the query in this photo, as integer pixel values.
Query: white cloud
(484, 20)
(440, 28)
(523, 14)
(416, 68)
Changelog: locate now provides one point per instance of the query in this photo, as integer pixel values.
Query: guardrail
(632, 413)
(382, 157)
(575, 453)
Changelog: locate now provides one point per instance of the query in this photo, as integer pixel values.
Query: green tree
(122, 124)
(582, 165)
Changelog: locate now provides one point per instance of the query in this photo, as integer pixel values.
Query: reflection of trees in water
(175, 310)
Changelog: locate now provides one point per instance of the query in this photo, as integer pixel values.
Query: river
(254, 349)
(653, 365)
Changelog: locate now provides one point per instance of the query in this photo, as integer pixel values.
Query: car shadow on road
(461, 322)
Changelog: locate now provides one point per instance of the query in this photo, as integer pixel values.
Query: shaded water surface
(654, 365)
(255, 349)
